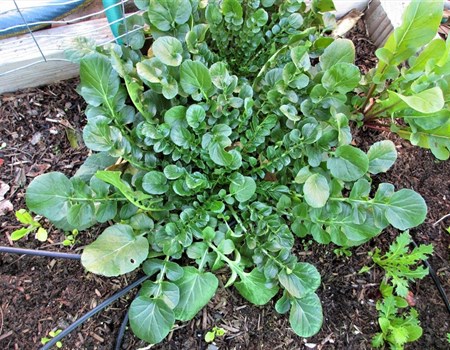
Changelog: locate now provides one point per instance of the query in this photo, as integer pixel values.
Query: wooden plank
(21, 51)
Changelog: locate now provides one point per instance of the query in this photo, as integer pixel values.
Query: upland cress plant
(217, 143)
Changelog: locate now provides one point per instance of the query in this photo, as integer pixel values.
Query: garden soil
(40, 131)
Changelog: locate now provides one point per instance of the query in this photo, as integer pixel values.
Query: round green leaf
(115, 252)
(302, 280)
(195, 114)
(150, 319)
(49, 195)
(252, 287)
(242, 187)
(406, 209)
(340, 50)
(382, 155)
(341, 77)
(349, 163)
(306, 315)
(195, 76)
(316, 191)
(173, 172)
(163, 14)
(169, 50)
(154, 182)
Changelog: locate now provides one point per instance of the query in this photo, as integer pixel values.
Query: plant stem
(369, 95)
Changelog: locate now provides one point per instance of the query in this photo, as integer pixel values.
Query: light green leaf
(151, 319)
(99, 81)
(316, 191)
(252, 287)
(195, 114)
(196, 290)
(195, 76)
(169, 50)
(306, 316)
(420, 23)
(341, 77)
(49, 195)
(349, 163)
(427, 101)
(173, 172)
(290, 112)
(301, 281)
(242, 187)
(406, 209)
(340, 50)
(154, 182)
(382, 155)
(115, 252)
(164, 14)
(81, 215)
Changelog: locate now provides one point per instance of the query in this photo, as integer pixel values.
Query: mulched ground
(40, 294)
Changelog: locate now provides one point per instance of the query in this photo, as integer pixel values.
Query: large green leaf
(196, 290)
(306, 316)
(406, 209)
(151, 319)
(420, 23)
(49, 195)
(340, 50)
(169, 50)
(341, 77)
(242, 187)
(115, 252)
(252, 287)
(302, 280)
(99, 81)
(316, 191)
(164, 14)
(382, 155)
(427, 101)
(195, 76)
(349, 163)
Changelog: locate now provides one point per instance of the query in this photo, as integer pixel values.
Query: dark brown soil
(40, 294)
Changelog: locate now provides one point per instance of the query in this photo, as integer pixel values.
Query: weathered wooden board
(22, 65)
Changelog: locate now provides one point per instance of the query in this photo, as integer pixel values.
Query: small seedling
(52, 334)
(71, 239)
(215, 332)
(32, 225)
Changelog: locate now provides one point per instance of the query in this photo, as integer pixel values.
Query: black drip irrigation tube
(122, 330)
(436, 281)
(94, 311)
(12, 250)
(84, 318)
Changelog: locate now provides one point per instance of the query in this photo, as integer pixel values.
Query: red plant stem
(369, 95)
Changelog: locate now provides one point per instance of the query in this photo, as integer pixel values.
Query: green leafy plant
(399, 261)
(215, 332)
(223, 142)
(398, 328)
(52, 334)
(413, 101)
(32, 225)
(71, 238)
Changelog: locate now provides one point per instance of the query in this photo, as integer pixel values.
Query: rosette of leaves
(418, 94)
(222, 143)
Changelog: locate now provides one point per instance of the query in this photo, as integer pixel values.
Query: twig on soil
(441, 219)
